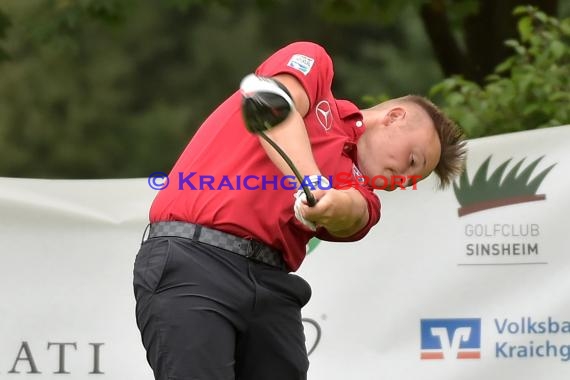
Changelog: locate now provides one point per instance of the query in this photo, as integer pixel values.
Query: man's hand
(342, 212)
(300, 201)
(316, 182)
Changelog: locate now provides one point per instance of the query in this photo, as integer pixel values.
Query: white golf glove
(319, 182)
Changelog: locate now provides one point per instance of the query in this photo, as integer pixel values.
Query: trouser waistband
(252, 249)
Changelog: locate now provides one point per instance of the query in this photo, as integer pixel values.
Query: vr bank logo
(451, 338)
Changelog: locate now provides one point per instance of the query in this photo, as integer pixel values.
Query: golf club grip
(311, 201)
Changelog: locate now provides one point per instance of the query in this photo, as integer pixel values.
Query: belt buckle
(253, 249)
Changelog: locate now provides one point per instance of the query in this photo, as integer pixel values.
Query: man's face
(403, 144)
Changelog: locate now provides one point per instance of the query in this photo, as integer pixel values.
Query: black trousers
(205, 313)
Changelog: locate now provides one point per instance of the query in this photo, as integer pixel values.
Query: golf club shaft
(311, 201)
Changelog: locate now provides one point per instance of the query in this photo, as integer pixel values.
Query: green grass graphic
(495, 191)
(313, 244)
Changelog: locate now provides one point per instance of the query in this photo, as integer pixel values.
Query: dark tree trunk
(450, 56)
(485, 33)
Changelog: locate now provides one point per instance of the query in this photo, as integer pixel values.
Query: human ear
(393, 115)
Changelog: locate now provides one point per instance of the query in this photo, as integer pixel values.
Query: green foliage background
(530, 89)
(116, 88)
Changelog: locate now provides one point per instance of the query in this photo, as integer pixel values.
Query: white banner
(468, 284)
(68, 248)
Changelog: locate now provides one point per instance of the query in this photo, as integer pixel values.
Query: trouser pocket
(150, 265)
(283, 284)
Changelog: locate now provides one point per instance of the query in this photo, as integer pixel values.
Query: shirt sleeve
(306, 61)
(373, 203)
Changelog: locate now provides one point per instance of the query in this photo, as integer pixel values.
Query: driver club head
(265, 103)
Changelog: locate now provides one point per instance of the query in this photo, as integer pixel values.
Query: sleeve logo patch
(301, 63)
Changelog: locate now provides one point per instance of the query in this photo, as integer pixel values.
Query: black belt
(252, 249)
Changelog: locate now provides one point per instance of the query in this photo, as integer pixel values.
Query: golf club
(265, 104)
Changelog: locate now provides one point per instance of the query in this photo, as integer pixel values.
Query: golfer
(216, 294)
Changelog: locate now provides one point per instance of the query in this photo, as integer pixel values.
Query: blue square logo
(458, 338)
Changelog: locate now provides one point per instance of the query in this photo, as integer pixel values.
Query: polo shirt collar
(352, 118)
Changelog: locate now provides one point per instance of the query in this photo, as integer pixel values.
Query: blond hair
(451, 137)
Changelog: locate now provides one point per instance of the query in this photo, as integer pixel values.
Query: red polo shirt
(225, 180)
